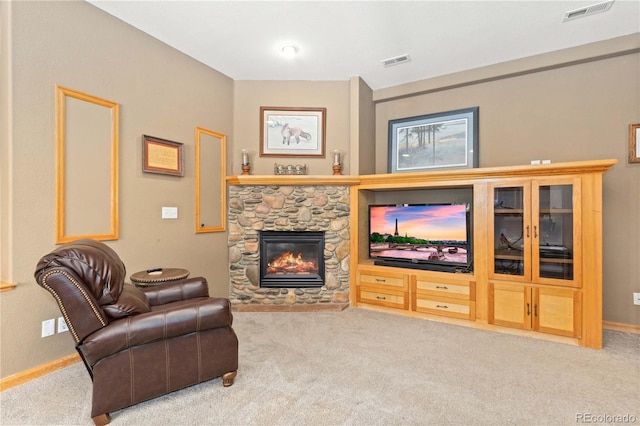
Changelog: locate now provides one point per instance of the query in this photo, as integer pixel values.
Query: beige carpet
(359, 367)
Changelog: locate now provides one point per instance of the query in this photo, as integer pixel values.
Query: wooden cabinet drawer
(444, 306)
(464, 290)
(383, 288)
(399, 280)
(374, 296)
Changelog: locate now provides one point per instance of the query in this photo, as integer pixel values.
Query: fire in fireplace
(291, 259)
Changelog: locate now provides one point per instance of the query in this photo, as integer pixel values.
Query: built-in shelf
(418, 179)
(248, 180)
(465, 176)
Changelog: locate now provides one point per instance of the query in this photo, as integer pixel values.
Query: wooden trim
(7, 286)
(618, 326)
(39, 371)
(61, 93)
(199, 226)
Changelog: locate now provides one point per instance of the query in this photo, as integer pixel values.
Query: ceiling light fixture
(289, 50)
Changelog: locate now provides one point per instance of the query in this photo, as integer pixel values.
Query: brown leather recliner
(137, 344)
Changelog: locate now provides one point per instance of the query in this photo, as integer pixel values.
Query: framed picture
(292, 132)
(634, 143)
(446, 140)
(162, 156)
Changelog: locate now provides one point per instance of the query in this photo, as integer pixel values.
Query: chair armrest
(177, 290)
(201, 314)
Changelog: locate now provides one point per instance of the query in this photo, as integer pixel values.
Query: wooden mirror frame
(201, 227)
(61, 95)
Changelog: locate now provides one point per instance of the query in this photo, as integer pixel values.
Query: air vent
(586, 11)
(396, 61)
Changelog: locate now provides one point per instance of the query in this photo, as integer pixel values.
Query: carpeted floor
(359, 367)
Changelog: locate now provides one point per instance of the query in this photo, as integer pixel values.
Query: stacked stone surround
(254, 208)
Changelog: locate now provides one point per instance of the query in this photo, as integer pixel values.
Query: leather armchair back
(82, 276)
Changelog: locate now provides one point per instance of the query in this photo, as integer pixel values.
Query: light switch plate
(169, 212)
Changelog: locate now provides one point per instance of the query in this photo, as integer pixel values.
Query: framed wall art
(292, 132)
(445, 140)
(634, 143)
(162, 156)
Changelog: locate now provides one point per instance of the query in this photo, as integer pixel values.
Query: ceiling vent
(396, 61)
(586, 11)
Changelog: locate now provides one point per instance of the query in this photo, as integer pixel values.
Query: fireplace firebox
(291, 259)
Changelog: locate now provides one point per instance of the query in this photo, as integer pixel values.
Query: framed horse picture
(292, 132)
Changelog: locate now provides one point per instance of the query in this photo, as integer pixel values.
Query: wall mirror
(210, 180)
(86, 167)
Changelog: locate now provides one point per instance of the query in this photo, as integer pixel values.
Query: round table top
(159, 275)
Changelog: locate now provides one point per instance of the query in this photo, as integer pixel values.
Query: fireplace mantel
(291, 180)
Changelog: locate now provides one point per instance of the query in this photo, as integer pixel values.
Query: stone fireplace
(291, 259)
(305, 209)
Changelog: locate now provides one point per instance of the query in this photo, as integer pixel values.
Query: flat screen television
(421, 236)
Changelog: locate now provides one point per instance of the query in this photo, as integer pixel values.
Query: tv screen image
(436, 234)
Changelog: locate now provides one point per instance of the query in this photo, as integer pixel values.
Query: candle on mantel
(336, 157)
(245, 157)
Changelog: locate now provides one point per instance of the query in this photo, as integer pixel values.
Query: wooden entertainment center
(537, 250)
(536, 234)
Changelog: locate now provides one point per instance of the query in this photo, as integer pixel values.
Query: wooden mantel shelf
(418, 179)
(248, 180)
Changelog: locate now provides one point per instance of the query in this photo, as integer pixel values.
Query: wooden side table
(158, 276)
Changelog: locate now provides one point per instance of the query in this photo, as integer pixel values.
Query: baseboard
(314, 307)
(35, 372)
(617, 326)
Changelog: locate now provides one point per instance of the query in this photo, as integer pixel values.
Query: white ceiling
(342, 39)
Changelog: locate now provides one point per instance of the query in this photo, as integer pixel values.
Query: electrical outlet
(636, 298)
(48, 327)
(62, 325)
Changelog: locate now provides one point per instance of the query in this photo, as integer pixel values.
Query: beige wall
(571, 113)
(162, 93)
(249, 96)
(363, 116)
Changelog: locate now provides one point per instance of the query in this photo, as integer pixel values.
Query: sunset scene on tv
(426, 232)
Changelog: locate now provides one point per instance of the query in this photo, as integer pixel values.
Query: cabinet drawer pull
(527, 231)
(444, 287)
(381, 298)
(380, 280)
(535, 310)
(535, 231)
(442, 306)
(528, 310)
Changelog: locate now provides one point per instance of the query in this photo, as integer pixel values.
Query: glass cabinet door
(554, 231)
(511, 232)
